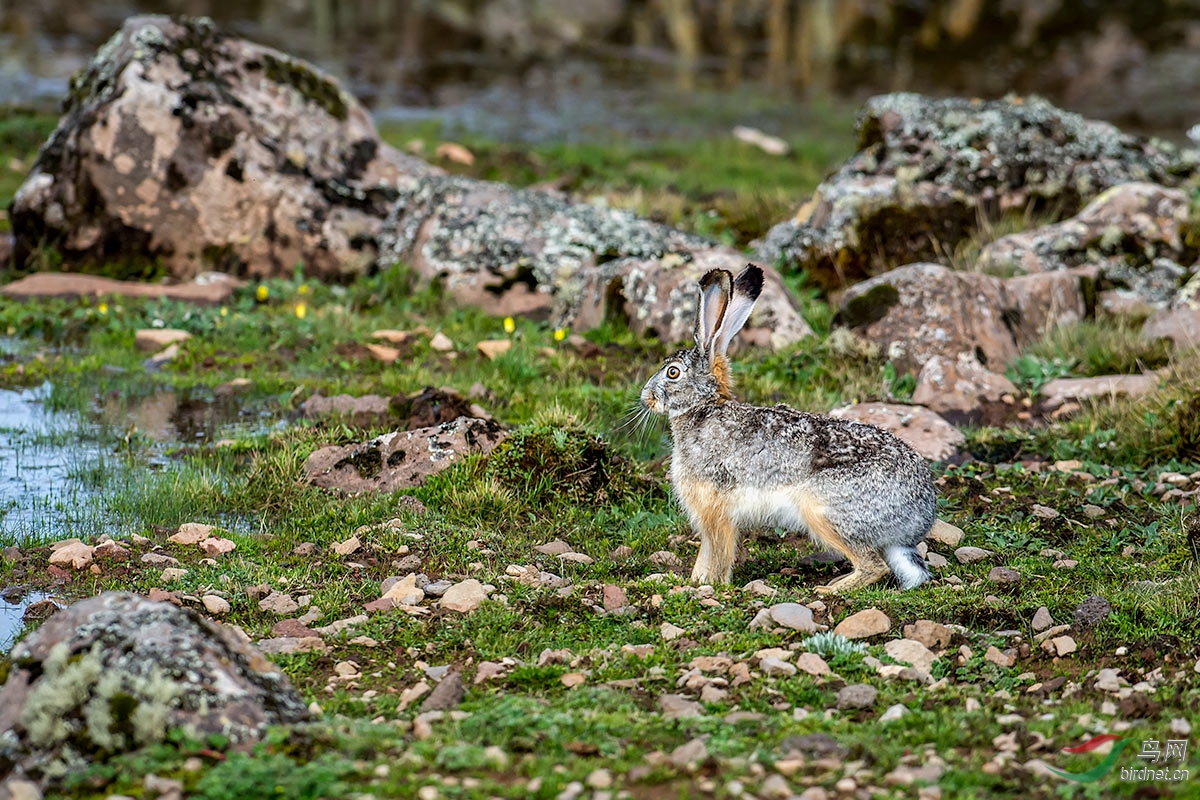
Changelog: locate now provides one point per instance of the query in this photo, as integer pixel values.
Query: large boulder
(920, 311)
(1138, 234)
(184, 146)
(520, 251)
(927, 169)
(118, 671)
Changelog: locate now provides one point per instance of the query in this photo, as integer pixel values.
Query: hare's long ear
(715, 289)
(746, 290)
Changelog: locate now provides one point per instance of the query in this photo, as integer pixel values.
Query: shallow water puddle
(12, 615)
(42, 455)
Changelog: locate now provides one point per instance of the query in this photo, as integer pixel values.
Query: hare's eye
(673, 372)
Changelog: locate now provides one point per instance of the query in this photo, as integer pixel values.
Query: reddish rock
(1180, 324)
(213, 289)
(1061, 391)
(921, 429)
(963, 391)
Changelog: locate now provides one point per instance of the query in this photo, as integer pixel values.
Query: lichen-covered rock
(927, 168)
(1134, 233)
(401, 459)
(185, 146)
(920, 311)
(118, 671)
(519, 251)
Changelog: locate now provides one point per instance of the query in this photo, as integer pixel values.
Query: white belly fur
(771, 508)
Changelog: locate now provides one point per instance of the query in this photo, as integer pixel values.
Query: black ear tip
(750, 281)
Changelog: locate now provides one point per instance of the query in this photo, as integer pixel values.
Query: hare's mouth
(650, 402)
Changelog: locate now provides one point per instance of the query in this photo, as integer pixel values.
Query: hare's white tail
(907, 565)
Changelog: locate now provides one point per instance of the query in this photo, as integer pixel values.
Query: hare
(856, 489)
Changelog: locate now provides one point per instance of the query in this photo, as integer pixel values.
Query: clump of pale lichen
(81, 700)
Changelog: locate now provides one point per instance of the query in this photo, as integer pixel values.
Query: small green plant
(1030, 372)
(832, 645)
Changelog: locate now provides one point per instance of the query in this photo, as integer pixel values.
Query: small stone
(1065, 563)
(151, 340)
(912, 652)
(278, 603)
(998, 658)
(191, 533)
(554, 548)
(969, 555)
(1004, 575)
(304, 549)
(1108, 680)
(775, 667)
(936, 560)
(1041, 620)
(944, 533)
(172, 574)
(759, 589)
(864, 624)
(215, 604)
(1181, 727)
(676, 706)
(441, 343)
(932, 634)
(404, 592)
(13, 788)
(1060, 645)
(670, 632)
(448, 693)
(856, 695)
(73, 553)
(573, 679)
(347, 547)
(599, 779)
(383, 354)
(576, 558)
(464, 597)
(1093, 512)
(216, 546)
(813, 664)
(794, 616)
(690, 755)
(494, 348)
(621, 552)
(1043, 512)
(613, 597)
(893, 713)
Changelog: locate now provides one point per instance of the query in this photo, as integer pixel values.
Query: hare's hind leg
(869, 566)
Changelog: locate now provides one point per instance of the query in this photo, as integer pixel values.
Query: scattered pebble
(441, 343)
(278, 603)
(856, 695)
(932, 634)
(1091, 611)
(555, 547)
(945, 533)
(464, 597)
(215, 604)
(1004, 575)
(665, 558)
(613, 597)
(864, 624)
(999, 658)
(969, 555)
(1041, 620)
(670, 632)
(893, 713)
(676, 706)
(813, 664)
(690, 755)
(911, 652)
(347, 547)
(1043, 512)
(775, 667)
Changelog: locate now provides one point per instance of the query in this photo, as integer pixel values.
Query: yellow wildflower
(102, 308)
(261, 293)
(301, 310)
(303, 288)
(560, 334)
(224, 311)
(509, 325)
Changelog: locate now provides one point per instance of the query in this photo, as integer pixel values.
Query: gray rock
(519, 251)
(794, 616)
(969, 554)
(448, 693)
(926, 166)
(1004, 575)
(856, 695)
(1041, 620)
(400, 459)
(1134, 232)
(1059, 392)
(168, 665)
